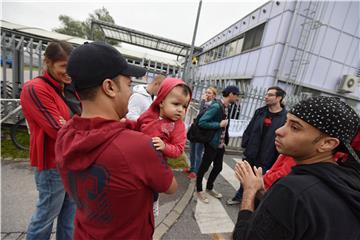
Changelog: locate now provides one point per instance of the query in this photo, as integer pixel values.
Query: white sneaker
(156, 208)
(233, 202)
(214, 193)
(201, 196)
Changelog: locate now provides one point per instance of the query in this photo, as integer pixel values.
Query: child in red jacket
(164, 120)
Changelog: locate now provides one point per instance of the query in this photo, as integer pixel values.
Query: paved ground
(181, 216)
(214, 220)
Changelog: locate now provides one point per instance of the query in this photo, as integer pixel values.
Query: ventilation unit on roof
(348, 84)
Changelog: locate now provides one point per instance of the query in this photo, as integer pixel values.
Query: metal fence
(22, 55)
(21, 59)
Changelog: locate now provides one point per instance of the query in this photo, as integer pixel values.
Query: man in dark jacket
(320, 198)
(258, 138)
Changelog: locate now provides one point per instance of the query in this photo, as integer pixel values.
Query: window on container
(214, 56)
(202, 58)
(207, 57)
(232, 48)
(227, 50)
(239, 45)
(218, 83)
(220, 52)
(253, 37)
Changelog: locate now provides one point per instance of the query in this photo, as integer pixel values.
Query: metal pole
(188, 61)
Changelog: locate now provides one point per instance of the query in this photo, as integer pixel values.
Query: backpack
(197, 134)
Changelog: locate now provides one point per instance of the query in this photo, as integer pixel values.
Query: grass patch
(179, 162)
(8, 149)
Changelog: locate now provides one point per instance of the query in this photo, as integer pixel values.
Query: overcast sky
(170, 19)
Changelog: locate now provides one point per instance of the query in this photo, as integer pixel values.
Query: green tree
(83, 28)
(71, 27)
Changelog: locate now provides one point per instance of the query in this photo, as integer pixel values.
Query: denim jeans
(196, 153)
(53, 203)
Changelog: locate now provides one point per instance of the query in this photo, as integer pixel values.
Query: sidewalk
(19, 195)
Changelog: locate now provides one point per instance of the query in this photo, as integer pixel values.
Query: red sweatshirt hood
(82, 140)
(166, 86)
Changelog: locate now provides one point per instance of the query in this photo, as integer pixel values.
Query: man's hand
(158, 143)
(250, 180)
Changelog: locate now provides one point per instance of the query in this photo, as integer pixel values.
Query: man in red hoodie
(110, 180)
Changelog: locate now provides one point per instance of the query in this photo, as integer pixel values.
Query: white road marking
(229, 175)
(212, 217)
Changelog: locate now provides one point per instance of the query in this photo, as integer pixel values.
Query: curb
(175, 213)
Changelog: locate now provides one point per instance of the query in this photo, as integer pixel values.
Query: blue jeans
(53, 203)
(196, 152)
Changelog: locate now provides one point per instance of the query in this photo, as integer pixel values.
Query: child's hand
(158, 143)
(62, 121)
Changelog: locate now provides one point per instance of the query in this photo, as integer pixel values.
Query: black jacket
(260, 150)
(317, 201)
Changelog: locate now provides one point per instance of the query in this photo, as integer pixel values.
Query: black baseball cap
(232, 89)
(91, 63)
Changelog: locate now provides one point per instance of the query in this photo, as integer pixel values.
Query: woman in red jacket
(48, 101)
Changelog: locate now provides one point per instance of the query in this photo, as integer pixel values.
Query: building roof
(142, 39)
(48, 36)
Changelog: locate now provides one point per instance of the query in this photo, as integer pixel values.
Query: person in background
(259, 136)
(215, 118)
(48, 101)
(197, 149)
(320, 198)
(110, 171)
(142, 97)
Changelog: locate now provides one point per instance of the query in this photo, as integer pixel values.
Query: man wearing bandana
(320, 198)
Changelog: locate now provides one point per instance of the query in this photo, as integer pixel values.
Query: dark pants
(211, 155)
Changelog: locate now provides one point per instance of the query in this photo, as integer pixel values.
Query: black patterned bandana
(331, 116)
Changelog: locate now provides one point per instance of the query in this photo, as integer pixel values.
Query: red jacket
(43, 108)
(172, 133)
